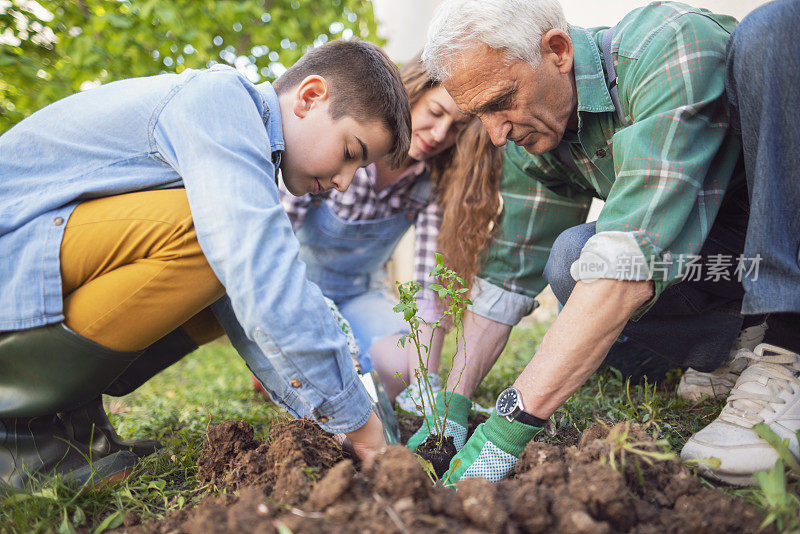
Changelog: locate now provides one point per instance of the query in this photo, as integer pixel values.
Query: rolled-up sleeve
(278, 320)
(498, 304)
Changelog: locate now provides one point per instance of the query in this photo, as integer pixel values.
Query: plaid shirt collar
(590, 79)
(405, 179)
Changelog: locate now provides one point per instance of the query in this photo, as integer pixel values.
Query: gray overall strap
(611, 73)
(563, 155)
(422, 189)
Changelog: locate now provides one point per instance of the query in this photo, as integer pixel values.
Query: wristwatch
(509, 405)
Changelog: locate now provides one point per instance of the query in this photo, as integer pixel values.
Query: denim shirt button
(323, 419)
(600, 152)
(295, 383)
(316, 202)
(58, 221)
(410, 216)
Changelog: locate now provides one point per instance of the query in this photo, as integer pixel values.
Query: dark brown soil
(438, 454)
(611, 481)
(409, 424)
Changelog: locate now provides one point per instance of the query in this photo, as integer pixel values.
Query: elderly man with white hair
(687, 134)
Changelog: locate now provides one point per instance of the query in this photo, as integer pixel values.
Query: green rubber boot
(89, 423)
(89, 426)
(155, 358)
(35, 448)
(44, 371)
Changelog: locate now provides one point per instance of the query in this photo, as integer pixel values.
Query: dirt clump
(297, 453)
(618, 479)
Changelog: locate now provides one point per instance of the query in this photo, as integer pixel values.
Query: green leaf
(79, 517)
(772, 483)
(455, 463)
(66, 526)
(781, 446)
(428, 467)
(17, 498)
(158, 485)
(713, 463)
(112, 521)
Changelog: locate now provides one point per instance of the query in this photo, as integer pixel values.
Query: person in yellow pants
(136, 284)
(141, 218)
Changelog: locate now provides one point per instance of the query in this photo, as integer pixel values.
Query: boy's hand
(455, 425)
(368, 440)
(491, 451)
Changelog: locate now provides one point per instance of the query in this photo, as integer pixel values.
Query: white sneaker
(767, 391)
(695, 385)
(411, 397)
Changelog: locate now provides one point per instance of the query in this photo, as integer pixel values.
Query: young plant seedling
(452, 290)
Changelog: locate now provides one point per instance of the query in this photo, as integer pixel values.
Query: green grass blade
(781, 446)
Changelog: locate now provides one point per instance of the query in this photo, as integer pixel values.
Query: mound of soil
(614, 480)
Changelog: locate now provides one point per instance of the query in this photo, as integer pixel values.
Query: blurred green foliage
(52, 48)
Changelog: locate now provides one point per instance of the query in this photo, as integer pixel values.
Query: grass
(213, 385)
(210, 386)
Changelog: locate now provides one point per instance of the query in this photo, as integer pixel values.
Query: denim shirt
(219, 136)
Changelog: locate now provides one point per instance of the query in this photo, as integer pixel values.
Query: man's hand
(368, 440)
(491, 451)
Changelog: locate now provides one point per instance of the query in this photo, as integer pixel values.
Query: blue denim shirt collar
(272, 121)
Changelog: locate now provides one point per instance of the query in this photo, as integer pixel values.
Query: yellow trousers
(132, 271)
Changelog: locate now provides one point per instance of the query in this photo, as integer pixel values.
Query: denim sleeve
(213, 134)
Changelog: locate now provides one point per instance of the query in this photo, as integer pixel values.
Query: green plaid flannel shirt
(663, 177)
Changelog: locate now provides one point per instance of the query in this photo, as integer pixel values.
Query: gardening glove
(455, 424)
(491, 451)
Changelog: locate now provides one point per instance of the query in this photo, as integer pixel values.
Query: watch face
(506, 402)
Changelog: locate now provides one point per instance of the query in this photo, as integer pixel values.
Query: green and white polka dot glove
(455, 425)
(491, 451)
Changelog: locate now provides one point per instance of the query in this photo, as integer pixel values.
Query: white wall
(588, 13)
(405, 22)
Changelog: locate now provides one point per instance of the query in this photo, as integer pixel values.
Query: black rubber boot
(32, 448)
(155, 358)
(44, 371)
(51, 369)
(89, 426)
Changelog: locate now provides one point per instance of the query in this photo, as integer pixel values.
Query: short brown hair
(364, 85)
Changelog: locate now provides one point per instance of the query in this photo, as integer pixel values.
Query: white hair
(514, 27)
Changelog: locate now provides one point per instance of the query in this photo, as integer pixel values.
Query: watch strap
(529, 419)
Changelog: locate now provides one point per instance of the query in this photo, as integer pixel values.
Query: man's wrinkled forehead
(481, 81)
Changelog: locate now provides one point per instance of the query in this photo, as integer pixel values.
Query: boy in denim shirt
(141, 219)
